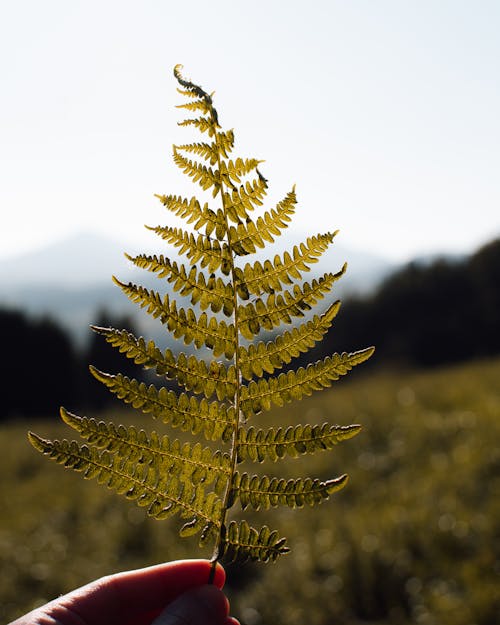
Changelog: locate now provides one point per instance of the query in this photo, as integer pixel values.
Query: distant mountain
(71, 280)
(78, 261)
(88, 260)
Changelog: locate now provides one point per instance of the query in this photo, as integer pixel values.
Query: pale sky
(384, 113)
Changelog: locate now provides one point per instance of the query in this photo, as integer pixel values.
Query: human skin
(174, 593)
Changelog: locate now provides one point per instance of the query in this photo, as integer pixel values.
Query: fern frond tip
(99, 375)
(99, 329)
(40, 444)
(350, 431)
(336, 484)
(364, 354)
(69, 418)
(117, 281)
(93, 370)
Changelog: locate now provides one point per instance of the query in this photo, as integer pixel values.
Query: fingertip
(198, 570)
(217, 577)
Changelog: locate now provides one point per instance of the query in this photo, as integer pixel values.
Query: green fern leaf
(262, 357)
(216, 335)
(193, 374)
(272, 275)
(193, 463)
(295, 385)
(144, 483)
(211, 254)
(200, 123)
(264, 492)
(210, 293)
(232, 302)
(281, 308)
(259, 445)
(202, 106)
(190, 210)
(206, 151)
(234, 171)
(268, 226)
(242, 542)
(225, 142)
(214, 420)
(203, 175)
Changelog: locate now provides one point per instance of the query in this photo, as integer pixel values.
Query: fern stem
(236, 361)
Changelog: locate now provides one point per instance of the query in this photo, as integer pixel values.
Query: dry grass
(412, 539)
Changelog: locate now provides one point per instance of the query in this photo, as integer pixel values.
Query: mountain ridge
(89, 259)
(70, 280)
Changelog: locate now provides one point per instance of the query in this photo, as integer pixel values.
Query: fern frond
(294, 385)
(258, 445)
(213, 293)
(233, 171)
(262, 357)
(245, 238)
(186, 93)
(215, 398)
(214, 420)
(190, 210)
(225, 142)
(206, 151)
(203, 175)
(190, 89)
(195, 463)
(281, 308)
(245, 198)
(218, 336)
(140, 482)
(272, 275)
(264, 492)
(193, 374)
(201, 105)
(200, 123)
(210, 253)
(242, 542)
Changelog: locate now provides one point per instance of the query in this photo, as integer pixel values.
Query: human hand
(174, 593)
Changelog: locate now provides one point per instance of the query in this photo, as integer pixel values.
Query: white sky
(384, 113)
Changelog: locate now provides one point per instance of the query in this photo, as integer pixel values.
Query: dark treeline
(423, 315)
(42, 369)
(426, 314)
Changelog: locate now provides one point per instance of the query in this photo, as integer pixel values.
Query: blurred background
(385, 116)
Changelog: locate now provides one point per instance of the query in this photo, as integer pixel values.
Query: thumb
(204, 605)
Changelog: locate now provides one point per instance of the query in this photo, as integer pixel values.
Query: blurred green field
(414, 538)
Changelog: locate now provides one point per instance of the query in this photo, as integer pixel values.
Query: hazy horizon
(86, 259)
(385, 116)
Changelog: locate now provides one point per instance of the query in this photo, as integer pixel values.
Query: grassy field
(414, 538)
